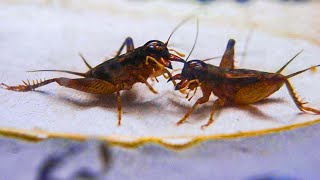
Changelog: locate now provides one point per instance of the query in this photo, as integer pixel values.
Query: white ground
(41, 37)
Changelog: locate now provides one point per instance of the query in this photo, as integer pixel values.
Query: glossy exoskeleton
(116, 74)
(234, 86)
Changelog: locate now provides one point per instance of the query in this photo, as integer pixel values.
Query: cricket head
(159, 51)
(194, 70)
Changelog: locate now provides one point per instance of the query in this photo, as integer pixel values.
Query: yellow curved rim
(39, 135)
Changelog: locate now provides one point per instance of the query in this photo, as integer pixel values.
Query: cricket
(233, 86)
(116, 74)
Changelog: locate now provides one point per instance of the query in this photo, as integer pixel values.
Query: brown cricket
(234, 86)
(116, 74)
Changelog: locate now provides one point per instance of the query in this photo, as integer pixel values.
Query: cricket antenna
(208, 59)
(195, 40)
(218, 57)
(177, 27)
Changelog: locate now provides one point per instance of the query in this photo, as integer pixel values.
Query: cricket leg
(128, 42)
(169, 76)
(162, 71)
(153, 79)
(203, 99)
(147, 84)
(119, 107)
(89, 85)
(299, 103)
(227, 60)
(216, 105)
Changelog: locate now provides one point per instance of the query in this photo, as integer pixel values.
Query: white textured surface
(33, 37)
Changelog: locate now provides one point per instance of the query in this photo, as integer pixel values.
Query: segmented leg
(169, 76)
(148, 85)
(27, 86)
(298, 103)
(119, 107)
(194, 93)
(127, 42)
(89, 85)
(216, 105)
(165, 76)
(203, 99)
(154, 79)
(227, 60)
(149, 58)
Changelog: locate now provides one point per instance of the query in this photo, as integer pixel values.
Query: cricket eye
(196, 66)
(152, 48)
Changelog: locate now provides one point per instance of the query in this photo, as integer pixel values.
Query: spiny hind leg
(216, 105)
(89, 85)
(203, 99)
(119, 107)
(299, 103)
(227, 60)
(27, 85)
(128, 42)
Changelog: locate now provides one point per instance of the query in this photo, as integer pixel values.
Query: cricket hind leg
(128, 42)
(28, 86)
(298, 102)
(119, 107)
(89, 85)
(227, 60)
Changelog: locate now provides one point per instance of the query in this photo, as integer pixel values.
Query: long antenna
(195, 40)
(208, 59)
(53, 70)
(217, 57)
(247, 40)
(178, 26)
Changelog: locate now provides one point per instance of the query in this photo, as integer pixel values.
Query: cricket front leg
(216, 105)
(203, 99)
(147, 84)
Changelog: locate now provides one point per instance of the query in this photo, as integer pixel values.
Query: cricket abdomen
(255, 92)
(248, 88)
